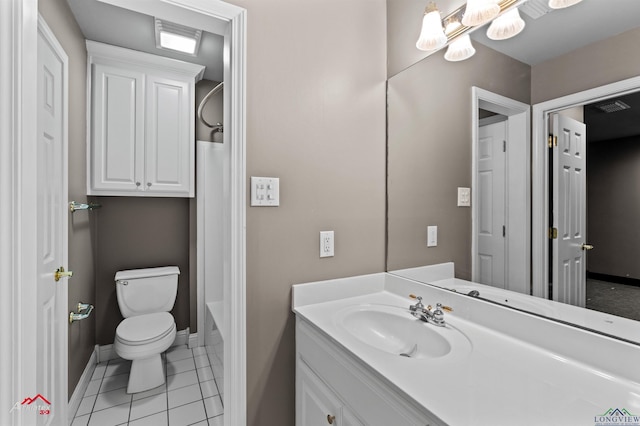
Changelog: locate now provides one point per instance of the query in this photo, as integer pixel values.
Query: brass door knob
(586, 247)
(61, 273)
(330, 419)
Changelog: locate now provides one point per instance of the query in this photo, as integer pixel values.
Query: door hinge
(553, 233)
(504, 146)
(504, 231)
(553, 141)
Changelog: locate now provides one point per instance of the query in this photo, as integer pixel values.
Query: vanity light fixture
(177, 37)
(460, 48)
(479, 12)
(432, 35)
(506, 25)
(561, 4)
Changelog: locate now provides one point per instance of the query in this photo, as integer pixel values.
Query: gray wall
(613, 215)
(139, 232)
(429, 152)
(600, 63)
(81, 224)
(315, 119)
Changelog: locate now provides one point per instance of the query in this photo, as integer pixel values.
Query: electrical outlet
(326, 243)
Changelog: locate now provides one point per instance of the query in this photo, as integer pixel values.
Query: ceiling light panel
(177, 37)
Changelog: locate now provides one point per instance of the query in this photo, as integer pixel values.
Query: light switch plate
(265, 191)
(432, 236)
(464, 197)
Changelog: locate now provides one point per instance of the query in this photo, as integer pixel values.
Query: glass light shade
(460, 49)
(506, 26)
(479, 12)
(561, 4)
(432, 34)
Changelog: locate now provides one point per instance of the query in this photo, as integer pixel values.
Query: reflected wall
(429, 152)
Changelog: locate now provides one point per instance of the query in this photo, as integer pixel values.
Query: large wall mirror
(440, 113)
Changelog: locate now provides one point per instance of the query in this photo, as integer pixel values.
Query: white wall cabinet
(141, 137)
(335, 388)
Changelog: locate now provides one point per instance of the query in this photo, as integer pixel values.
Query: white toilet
(145, 297)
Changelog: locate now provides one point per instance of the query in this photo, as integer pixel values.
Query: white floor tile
(201, 361)
(205, 373)
(181, 380)
(200, 350)
(147, 406)
(86, 405)
(213, 406)
(93, 388)
(217, 421)
(111, 416)
(111, 399)
(180, 366)
(114, 382)
(151, 392)
(218, 370)
(179, 352)
(160, 419)
(209, 388)
(81, 420)
(202, 423)
(98, 373)
(116, 367)
(184, 396)
(187, 414)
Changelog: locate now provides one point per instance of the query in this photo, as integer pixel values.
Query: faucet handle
(444, 308)
(418, 305)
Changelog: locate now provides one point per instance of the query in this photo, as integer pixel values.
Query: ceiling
(120, 27)
(561, 31)
(564, 30)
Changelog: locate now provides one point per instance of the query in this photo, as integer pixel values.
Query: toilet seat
(145, 329)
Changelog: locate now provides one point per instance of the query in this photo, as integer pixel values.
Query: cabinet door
(316, 404)
(349, 419)
(116, 149)
(169, 144)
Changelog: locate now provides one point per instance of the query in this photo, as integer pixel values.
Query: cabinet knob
(148, 183)
(330, 419)
(137, 183)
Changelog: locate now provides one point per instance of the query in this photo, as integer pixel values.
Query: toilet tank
(145, 291)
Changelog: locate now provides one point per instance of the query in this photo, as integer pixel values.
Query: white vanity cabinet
(334, 388)
(141, 137)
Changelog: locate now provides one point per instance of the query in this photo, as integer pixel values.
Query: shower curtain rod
(213, 91)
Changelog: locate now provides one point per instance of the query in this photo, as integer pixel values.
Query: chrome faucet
(435, 317)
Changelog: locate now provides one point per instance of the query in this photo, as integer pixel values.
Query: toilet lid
(142, 329)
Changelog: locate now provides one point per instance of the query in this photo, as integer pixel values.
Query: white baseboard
(81, 387)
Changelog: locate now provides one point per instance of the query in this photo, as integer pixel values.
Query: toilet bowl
(145, 297)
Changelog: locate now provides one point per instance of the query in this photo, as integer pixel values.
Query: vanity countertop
(520, 369)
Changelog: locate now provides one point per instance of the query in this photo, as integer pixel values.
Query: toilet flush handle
(123, 282)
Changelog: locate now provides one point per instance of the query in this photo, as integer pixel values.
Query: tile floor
(190, 396)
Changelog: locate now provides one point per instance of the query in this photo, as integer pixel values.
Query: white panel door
(51, 170)
(169, 150)
(569, 211)
(491, 265)
(118, 130)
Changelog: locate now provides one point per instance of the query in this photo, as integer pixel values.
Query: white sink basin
(395, 331)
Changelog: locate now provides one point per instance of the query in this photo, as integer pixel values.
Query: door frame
(518, 217)
(540, 168)
(18, 191)
(18, 195)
